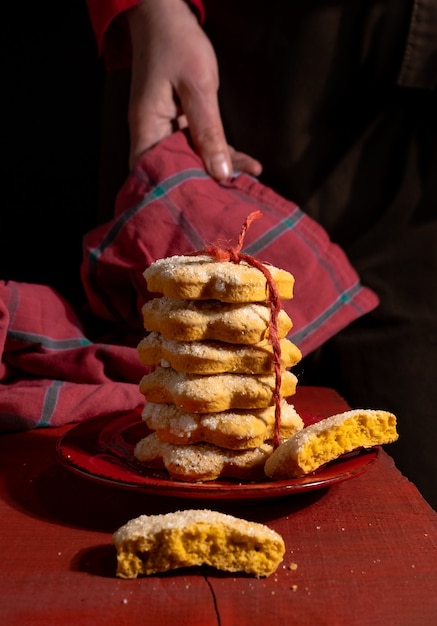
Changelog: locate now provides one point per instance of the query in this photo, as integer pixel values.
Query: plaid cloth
(169, 206)
(51, 373)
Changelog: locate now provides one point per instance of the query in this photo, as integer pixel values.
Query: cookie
(202, 278)
(196, 393)
(189, 320)
(199, 462)
(238, 429)
(328, 439)
(157, 543)
(215, 357)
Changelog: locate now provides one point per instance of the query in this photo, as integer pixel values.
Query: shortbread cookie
(199, 462)
(158, 543)
(196, 393)
(190, 320)
(201, 278)
(235, 430)
(215, 357)
(328, 439)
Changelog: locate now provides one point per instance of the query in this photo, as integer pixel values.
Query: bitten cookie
(237, 429)
(158, 543)
(202, 278)
(215, 357)
(328, 439)
(195, 393)
(190, 320)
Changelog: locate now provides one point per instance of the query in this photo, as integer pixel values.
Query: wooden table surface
(362, 552)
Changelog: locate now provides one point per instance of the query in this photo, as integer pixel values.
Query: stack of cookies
(211, 402)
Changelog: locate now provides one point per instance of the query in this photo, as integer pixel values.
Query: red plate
(102, 449)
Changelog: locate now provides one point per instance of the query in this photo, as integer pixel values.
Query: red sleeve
(111, 33)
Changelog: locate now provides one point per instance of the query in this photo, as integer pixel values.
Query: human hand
(174, 85)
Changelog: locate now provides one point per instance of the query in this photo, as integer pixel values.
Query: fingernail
(219, 167)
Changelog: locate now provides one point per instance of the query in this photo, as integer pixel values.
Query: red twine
(234, 255)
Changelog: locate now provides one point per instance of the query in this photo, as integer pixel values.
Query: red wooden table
(363, 551)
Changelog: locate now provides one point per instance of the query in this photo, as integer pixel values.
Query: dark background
(52, 100)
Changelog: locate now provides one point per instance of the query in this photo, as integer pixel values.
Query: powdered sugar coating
(196, 393)
(202, 461)
(199, 277)
(229, 429)
(151, 524)
(188, 320)
(214, 357)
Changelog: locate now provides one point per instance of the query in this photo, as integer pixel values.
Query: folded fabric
(169, 205)
(52, 373)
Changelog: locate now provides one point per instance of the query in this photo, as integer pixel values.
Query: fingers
(199, 101)
(206, 130)
(243, 162)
